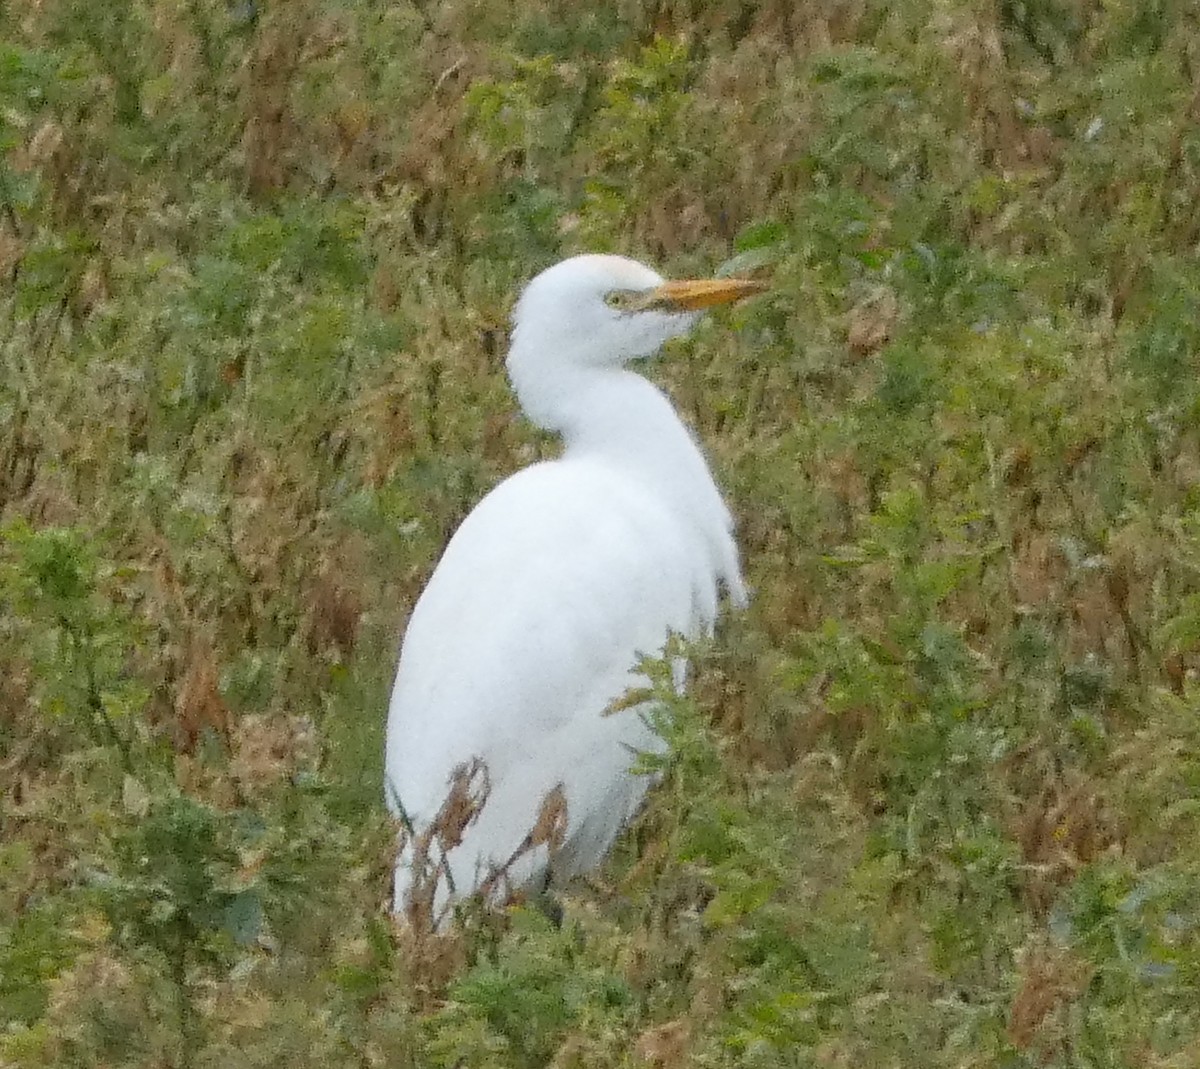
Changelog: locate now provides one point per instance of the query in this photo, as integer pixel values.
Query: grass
(932, 800)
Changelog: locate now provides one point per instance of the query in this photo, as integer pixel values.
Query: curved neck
(617, 417)
(603, 411)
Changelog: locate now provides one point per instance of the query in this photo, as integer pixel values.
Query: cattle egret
(509, 747)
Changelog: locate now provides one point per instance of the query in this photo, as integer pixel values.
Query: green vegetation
(934, 799)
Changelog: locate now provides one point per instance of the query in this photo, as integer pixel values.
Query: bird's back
(529, 629)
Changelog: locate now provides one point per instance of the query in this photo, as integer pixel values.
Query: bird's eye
(623, 300)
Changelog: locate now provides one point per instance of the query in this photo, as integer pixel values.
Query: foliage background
(935, 799)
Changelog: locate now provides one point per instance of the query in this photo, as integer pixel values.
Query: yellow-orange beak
(696, 294)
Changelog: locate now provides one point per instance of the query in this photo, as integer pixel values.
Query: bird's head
(598, 311)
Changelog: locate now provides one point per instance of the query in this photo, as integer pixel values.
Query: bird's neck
(619, 418)
(604, 411)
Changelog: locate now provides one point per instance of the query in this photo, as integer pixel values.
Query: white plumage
(500, 758)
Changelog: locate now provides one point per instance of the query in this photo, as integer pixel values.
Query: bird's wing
(532, 620)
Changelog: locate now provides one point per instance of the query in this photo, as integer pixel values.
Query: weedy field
(934, 799)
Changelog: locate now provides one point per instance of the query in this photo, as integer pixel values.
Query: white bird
(508, 752)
